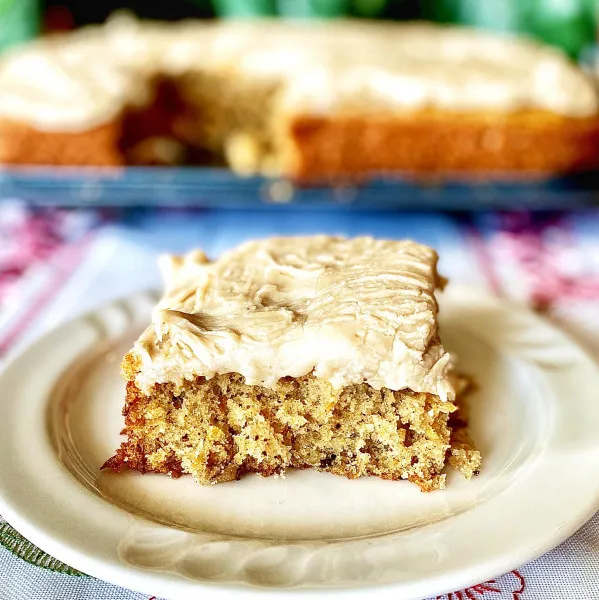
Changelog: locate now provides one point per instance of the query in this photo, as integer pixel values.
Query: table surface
(56, 263)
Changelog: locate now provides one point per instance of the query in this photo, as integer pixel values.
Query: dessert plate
(534, 417)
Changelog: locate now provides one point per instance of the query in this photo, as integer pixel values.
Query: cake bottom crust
(219, 429)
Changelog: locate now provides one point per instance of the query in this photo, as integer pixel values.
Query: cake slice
(305, 352)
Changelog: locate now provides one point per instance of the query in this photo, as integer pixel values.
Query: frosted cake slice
(305, 352)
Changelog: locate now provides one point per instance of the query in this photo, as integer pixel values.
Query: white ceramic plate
(535, 419)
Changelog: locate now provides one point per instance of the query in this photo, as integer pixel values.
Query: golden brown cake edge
(527, 144)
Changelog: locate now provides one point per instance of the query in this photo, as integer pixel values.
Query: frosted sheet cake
(303, 352)
(309, 101)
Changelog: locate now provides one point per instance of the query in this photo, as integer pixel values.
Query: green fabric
(368, 8)
(19, 21)
(569, 24)
(313, 8)
(245, 8)
(299, 8)
(23, 548)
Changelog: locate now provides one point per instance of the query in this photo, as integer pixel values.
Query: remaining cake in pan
(310, 101)
(300, 352)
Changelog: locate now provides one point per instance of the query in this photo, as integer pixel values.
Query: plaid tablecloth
(55, 264)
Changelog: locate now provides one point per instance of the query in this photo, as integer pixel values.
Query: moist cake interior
(205, 118)
(221, 428)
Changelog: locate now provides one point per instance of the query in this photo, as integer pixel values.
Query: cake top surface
(348, 310)
(84, 78)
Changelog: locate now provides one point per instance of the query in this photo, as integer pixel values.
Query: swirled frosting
(348, 310)
(85, 78)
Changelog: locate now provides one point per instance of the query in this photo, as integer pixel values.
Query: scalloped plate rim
(47, 530)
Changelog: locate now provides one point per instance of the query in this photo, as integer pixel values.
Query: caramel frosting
(69, 83)
(348, 310)
(85, 78)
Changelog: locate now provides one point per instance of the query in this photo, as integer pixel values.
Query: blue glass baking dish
(219, 187)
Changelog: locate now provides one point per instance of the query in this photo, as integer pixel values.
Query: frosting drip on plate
(349, 310)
